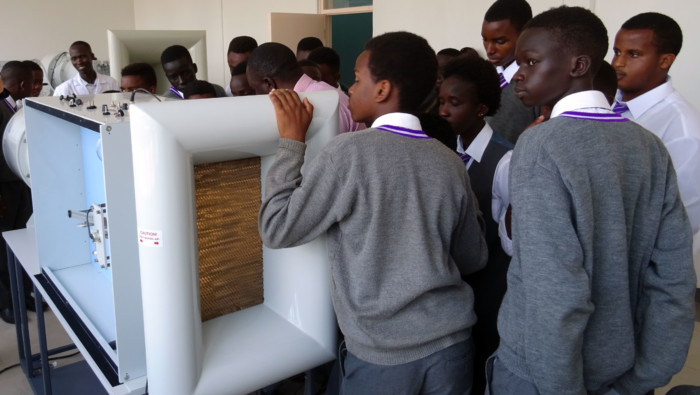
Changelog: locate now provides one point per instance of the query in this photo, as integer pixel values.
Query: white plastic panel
(295, 329)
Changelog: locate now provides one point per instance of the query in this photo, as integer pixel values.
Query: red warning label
(151, 238)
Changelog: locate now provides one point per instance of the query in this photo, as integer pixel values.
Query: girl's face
(459, 105)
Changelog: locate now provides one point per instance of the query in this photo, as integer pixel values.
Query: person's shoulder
(220, 92)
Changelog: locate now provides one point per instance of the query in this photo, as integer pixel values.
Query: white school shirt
(500, 199)
(509, 71)
(79, 86)
(664, 112)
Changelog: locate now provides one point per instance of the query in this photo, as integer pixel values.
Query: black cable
(133, 94)
(50, 359)
(8, 368)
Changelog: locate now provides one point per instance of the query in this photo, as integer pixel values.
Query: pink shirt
(307, 84)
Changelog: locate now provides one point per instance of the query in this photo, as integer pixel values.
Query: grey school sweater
(402, 226)
(601, 284)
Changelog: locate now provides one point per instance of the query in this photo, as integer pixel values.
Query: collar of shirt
(478, 146)
(308, 84)
(401, 119)
(640, 104)
(80, 81)
(509, 71)
(590, 101)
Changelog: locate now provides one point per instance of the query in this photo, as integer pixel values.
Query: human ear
(580, 66)
(382, 91)
(482, 111)
(269, 83)
(194, 67)
(666, 60)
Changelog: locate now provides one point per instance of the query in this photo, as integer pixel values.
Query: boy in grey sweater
(600, 287)
(401, 220)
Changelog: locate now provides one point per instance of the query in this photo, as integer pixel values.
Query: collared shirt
(77, 85)
(11, 103)
(509, 71)
(346, 124)
(500, 199)
(664, 112)
(401, 119)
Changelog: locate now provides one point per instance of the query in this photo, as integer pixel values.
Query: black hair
(518, 12)
(81, 44)
(272, 60)
(199, 87)
(175, 52)
(438, 128)
(668, 36)
(453, 52)
(327, 56)
(309, 44)
(143, 70)
(240, 68)
(605, 80)
(307, 62)
(469, 51)
(15, 71)
(242, 44)
(577, 29)
(481, 73)
(408, 62)
(33, 66)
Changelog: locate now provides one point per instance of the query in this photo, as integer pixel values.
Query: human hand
(536, 122)
(293, 115)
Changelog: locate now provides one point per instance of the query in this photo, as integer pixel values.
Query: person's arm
(500, 202)
(555, 285)
(665, 310)
(296, 211)
(468, 246)
(685, 153)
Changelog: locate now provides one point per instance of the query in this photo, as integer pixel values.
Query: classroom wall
(34, 29)
(222, 19)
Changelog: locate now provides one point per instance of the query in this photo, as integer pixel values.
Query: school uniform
(513, 116)
(78, 86)
(664, 112)
(488, 160)
(601, 283)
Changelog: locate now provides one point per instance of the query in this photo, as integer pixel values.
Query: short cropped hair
(668, 36)
(272, 59)
(453, 52)
(518, 12)
(143, 70)
(481, 73)
(242, 44)
(240, 68)
(309, 44)
(199, 87)
(173, 53)
(327, 56)
(81, 44)
(576, 29)
(408, 62)
(605, 80)
(33, 66)
(15, 71)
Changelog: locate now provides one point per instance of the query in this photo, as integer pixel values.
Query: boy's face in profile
(180, 72)
(639, 66)
(362, 91)
(543, 77)
(239, 86)
(499, 39)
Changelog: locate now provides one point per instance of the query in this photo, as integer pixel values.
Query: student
(87, 81)
(38, 74)
(15, 196)
(239, 82)
(502, 25)
(274, 66)
(199, 90)
(470, 91)
(181, 71)
(311, 69)
(306, 45)
(430, 105)
(329, 62)
(601, 284)
(645, 48)
(401, 223)
(239, 50)
(139, 75)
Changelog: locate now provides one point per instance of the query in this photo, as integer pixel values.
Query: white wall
(33, 29)
(222, 19)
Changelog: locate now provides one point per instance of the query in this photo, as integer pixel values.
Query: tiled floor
(13, 381)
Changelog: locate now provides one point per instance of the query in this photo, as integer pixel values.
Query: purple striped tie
(619, 108)
(465, 158)
(504, 83)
